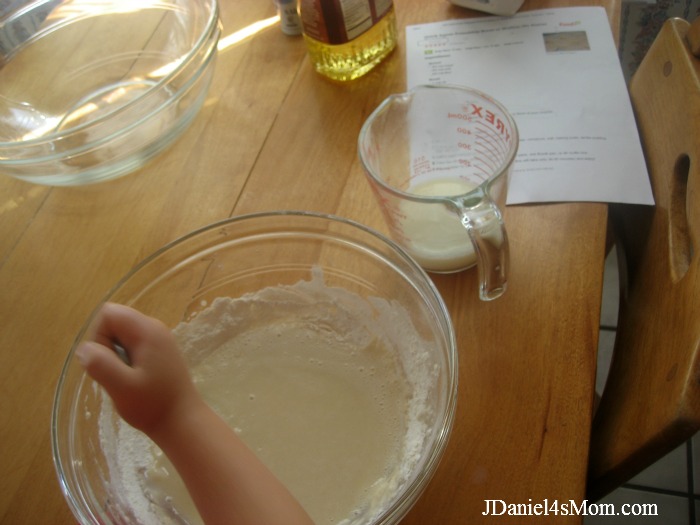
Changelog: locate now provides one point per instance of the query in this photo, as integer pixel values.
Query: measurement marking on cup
(473, 111)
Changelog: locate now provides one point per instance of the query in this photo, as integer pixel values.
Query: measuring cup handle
(487, 231)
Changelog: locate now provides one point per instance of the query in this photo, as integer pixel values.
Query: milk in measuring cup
(434, 234)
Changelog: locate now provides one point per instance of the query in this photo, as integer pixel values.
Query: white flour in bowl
(332, 391)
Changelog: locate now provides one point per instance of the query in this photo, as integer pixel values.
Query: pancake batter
(311, 379)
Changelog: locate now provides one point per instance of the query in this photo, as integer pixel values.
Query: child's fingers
(104, 366)
(129, 328)
(121, 323)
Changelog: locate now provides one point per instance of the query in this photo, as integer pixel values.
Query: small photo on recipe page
(566, 41)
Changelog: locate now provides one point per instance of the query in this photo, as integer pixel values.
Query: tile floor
(673, 483)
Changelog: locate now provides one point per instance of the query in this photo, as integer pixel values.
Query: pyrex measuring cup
(438, 159)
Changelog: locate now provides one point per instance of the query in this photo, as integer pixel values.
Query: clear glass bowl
(244, 255)
(92, 90)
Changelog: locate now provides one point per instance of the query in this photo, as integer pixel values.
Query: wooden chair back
(651, 402)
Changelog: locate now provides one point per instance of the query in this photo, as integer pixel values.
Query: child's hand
(156, 386)
(154, 394)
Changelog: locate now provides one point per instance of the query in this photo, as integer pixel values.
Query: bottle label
(339, 21)
(290, 23)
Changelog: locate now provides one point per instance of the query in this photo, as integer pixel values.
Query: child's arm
(227, 482)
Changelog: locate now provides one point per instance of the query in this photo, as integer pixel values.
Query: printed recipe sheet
(557, 71)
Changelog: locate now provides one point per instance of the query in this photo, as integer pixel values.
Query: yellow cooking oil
(358, 56)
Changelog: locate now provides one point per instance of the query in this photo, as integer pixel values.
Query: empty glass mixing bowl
(92, 90)
(242, 256)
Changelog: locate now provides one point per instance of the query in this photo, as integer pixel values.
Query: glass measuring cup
(438, 159)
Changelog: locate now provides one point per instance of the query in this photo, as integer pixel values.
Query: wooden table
(275, 135)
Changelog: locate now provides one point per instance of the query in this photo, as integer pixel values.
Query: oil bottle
(347, 38)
